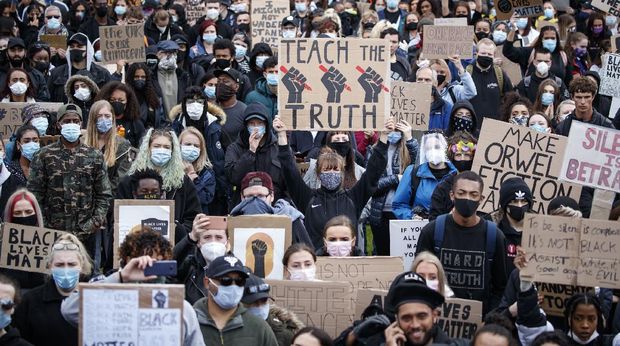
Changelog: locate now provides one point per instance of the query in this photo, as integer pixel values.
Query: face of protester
(306, 339)
(7, 293)
(213, 235)
(416, 321)
(299, 260)
(466, 189)
(148, 186)
(489, 339)
(583, 321)
(258, 191)
(23, 208)
(427, 270)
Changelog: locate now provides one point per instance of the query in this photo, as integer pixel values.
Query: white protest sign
(404, 236)
(610, 75)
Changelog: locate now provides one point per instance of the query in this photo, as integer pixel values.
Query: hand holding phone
(161, 268)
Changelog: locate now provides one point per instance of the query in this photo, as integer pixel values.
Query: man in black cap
(228, 81)
(80, 61)
(170, 80)
(222, 319)
(16, 57)
(289, 27)
(515, 199)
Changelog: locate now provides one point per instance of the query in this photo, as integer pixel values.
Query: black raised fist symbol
(371, 81)
(334, 82)
(259, 249)
(294, 82)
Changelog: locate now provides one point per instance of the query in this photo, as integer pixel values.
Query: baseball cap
(409, 287)
(224, 265)
(290, 20)
(167, 45)
(255, 289)
(16, 42)
(230, 72)
(78, 38)
(257, 179)
(69, 108)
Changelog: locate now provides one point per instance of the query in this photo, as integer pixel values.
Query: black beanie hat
(514, 188)
(562, 201)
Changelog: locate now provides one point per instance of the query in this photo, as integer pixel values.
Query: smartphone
(162, 268)
(217, 222)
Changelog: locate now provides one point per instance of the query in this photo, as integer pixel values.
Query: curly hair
(144, 242)
(582, 84)
(510, 100)
(145, 174)
(132, 108)
(149, 94)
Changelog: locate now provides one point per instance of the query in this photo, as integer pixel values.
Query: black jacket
(39, 320)
(321, 205)
(8, 188)
(91, 28)
(440, 200)
(12, 338)
(152, 32)
(191, 271)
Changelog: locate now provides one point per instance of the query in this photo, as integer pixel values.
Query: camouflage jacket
(72, 187)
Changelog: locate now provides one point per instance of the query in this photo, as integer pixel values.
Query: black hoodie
(467, 105)
(12, 338)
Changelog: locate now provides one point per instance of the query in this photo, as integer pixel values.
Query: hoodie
(459, 105)
(262, 94)
(84, 105)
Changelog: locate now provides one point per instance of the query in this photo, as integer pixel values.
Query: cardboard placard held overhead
(133, 214)
(193, 13)
(610, 75)
(27, 248)
(55, 41)
(556, 295)
(611, 7)
(267, 18)
(460, 21)
(505, 151)
(404, 236)
(11, 115)
(323, 304)
(260, 241)
(460, 318)
(412, 102)
(522, 8)
(594, 158)
(122, 42)
(441, 42)
(131, 314)
(360, 272)
(334, 84)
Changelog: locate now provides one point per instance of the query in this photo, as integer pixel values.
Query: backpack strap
(499, 74)
(452, 96)
(491, 238)
(440, 228)
(415, 182)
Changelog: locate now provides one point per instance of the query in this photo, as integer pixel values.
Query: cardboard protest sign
(556, 295)
(27, 248)
(412, 102)
(441, 41)
(571, 251)
(505, 151)
(460, 318)
(266, 18)
(11, 115)
(133, 214)
(610, 75)
(260, 241)
(326, 305)
(461, 21)
(360, 272)
(512, 69)
(611, 7)
(55, 41)
(131, 314)
(122, 42)
(594, 158)
(334, 84)
(366, 297)
(404, 236)
(194, 12)
(522, 8)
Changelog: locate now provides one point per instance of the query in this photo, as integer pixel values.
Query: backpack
(498, 74)
(415, 182)
(491, 235)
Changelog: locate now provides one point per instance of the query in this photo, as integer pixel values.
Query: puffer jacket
(84, 105)
(388, 183)
(284, 324)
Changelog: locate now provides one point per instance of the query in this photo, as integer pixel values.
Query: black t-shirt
(440, 173)
(392, 17)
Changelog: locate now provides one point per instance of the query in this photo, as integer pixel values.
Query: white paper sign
(404, 236)
(610, 75)
(110, 316)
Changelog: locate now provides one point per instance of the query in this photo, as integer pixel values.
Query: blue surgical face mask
(261, 130)
(209, 38)
(120, 10)
(189, 153)
(260, 311)
(41, 124)
(539, 128)
(330, 180)
(160, 156)
(260, 60)
(546, 99)
(29, 149)
(301, 7)
(240, 52)
(272, 79)
(66, 278)
(53, 24)
(521, 23)
(549, 44)
(5, 319)
(71, 132)
(394, 137)
(499, 36)
(227, 297)
(209, 91)
(104, 125)
(392, 4)
(549, 13)
(98, 56)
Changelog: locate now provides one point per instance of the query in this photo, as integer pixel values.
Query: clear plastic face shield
(433, 148)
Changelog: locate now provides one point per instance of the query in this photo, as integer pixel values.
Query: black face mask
(118, 107)
(461, 124)
(441, 78)
(102, 11)
(484, 61)
(42, 66)
(411, 26)
(243, 27)
(466, 207)
(481, 34)
(463, 166)
(222, 63)
(16, 62)
(342, 148)
(224, 92)
(26, 220)
(517, 213)
(77, 55)
(139, 84)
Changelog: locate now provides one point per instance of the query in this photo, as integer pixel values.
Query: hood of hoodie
(94, 89)
(90, 54)
(462, 104)
(214, 113)
(256, 108)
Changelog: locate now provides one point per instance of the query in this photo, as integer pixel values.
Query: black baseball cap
(409, 287)
(290, 20)
(230, 72)
(79, 38)
(255, 289)
(224, 265)
(16, 42)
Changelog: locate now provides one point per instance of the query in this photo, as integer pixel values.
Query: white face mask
(435, 156)
(194, 110)
(212, 250)
(330, 34)
(213, 14)
(82, 94)
(542, 68)
(434, 284)
(339, 248)
(306, 274)
(18, 88)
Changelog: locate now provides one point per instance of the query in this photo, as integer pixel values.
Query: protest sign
(555, 296)
(610, 75)
(505, 151)
(512, 69)
(326, 305)
(55, 41)
(11, 115)
(571, 251)
(266, 17)
(441, 42)
(259, 241)
(360, 272)
(594, 158)
(461, 21)
(367, 297)
(122, 42)
(334, 84)
(133, 214)
(412, 102)
(27, 248)
(131, 314)
(615, 45)
(460, 318)
(611, 7)
(404, 235)
(561, 5)
(521, 8)
(194, 12)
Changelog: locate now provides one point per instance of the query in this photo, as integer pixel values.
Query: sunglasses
(65, 246)
(227, 281)
(7, 304)
(50, 17)
(40, 46)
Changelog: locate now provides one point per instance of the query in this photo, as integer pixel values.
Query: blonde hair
(85, 261)
(22, 195)
(444, 66)
(368, 16)
(203, 159)
(430, 258)
(92, 135)
(379, 28)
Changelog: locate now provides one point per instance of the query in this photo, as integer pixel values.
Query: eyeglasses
(7, 304)
(65, 246)
(227, 281)
(50, 17)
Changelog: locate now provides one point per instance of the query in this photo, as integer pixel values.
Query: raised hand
(259, 249)
(334, 82)
(294, 82)
(371, 81)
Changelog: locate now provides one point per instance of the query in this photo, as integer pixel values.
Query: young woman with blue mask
(547, 98)
(197, 165)
(27, 145)
(242, 44)
(38, 317)
(539, 122)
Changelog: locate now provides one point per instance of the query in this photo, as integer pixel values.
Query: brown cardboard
(55, 41)
(451, 21)
(360, 272)
(460, 318)
(412, 102)
(555, 296)
(512, 69)
(600, 264)
(608, 6)
(266, 19)
(11, 115)
(529, 8)
(27, 248)
(122, 42)
(366, 296)
(441, 41)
